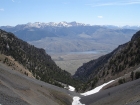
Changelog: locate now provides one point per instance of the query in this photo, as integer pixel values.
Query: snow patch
(76, 101)
(71, 88)
(95, 90)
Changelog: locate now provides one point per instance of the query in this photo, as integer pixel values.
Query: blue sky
(94, 12)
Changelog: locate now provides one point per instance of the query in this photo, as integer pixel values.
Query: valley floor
(72, 61)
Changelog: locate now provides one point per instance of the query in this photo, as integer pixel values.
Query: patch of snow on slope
(76, 101)
(71, 88)
(97, 89)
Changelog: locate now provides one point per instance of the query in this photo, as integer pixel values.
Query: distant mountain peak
(70, 24)
(53, 24)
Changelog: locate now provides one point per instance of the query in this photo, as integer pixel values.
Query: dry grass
(71, 62)
(15, 65)
(18, 89)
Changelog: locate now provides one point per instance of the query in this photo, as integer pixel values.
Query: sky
(94, 12)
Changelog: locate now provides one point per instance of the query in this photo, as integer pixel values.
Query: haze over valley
(71, 44)
(22, 62)
(72, 37)
(69, 52)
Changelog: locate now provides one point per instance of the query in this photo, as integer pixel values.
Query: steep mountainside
(18, 89)
(35, 60)
(113, 65)
(71, 37)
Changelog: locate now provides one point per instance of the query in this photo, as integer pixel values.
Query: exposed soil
(19, 89)
(72, 61)
(125, 94)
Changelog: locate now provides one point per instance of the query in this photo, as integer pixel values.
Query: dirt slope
(18, 89)
(125, 94)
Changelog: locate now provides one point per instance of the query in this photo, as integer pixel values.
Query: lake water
(91, 52)
(81, 52)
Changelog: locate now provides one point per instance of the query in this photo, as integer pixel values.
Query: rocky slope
(125, 94)
(18, 89)
(113, 65)
(33, 59)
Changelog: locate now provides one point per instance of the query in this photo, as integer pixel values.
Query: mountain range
(72, 36)
(67, 24)
(21, 63)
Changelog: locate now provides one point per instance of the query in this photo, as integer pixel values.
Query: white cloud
(104, 4)
(133, 2)
(1, 9)
(119, 2)
(13, 0)
(100, 17)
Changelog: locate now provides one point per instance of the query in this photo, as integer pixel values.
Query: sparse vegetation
(137, 75)
(113, 65)
(132, 75)
(121, 81)
(26, 73)
(35, 60)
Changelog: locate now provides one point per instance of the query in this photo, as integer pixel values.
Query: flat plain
(72, 61)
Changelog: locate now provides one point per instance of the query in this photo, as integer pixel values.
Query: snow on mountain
(53, 24)
(97, 89)
(71, 88)
(69, 24)
(76, 99)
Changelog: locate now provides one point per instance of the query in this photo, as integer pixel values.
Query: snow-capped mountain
(71, 24)
(72, 36)
(53, 24)
(67, 24)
